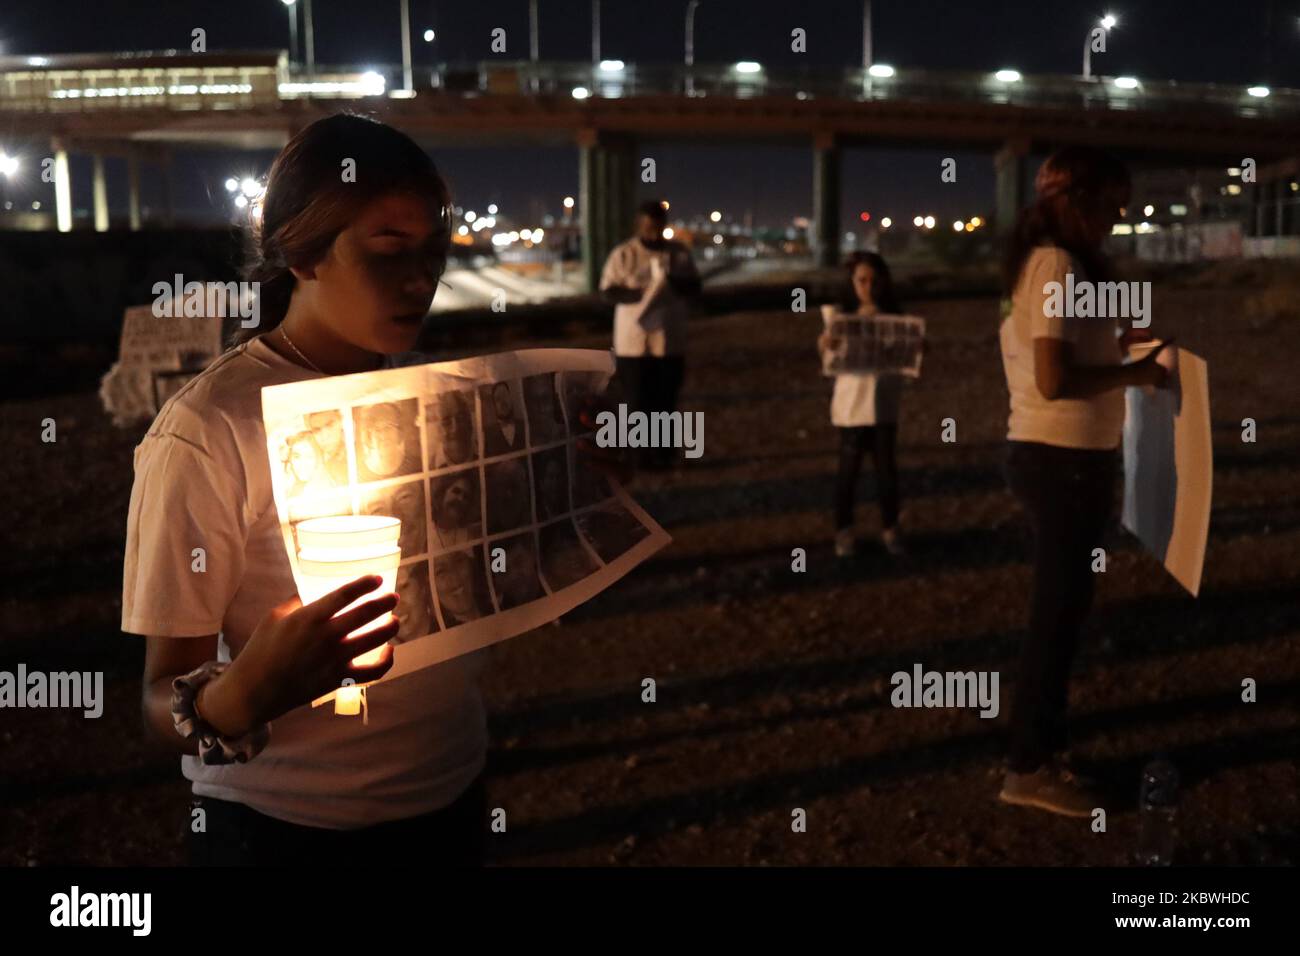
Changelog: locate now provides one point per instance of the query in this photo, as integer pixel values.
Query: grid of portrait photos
(504, 523)
(877, 343)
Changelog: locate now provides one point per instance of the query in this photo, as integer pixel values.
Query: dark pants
(237, 835)
(854, 442)
(652, 384)
(1068, 495)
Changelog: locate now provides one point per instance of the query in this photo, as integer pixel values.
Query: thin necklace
(297, 351)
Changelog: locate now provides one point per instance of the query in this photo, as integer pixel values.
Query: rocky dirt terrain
(772, 685)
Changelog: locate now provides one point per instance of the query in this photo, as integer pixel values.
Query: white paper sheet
(1169, 468)
(472, 455)
(878, 343)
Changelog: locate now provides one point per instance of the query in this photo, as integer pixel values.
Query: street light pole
(866, 34)
(532, 40)
(310, 38)
(595, 32)
(690, 47)
(289, 5)
(1106, 23)
(406, 45)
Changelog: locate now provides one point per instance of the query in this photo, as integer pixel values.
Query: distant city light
(970, 227)
(232, 184)
(1148, 210)
(929, 222)
(581, 92)
(38, 61)
(1178, 209)
(611, 66)
(715, 216)
(241, 201)
(1234, 170)
(717, 239)
(665, 204)
(1127, 82)
(976, 221)
(1109, 21)
(958, 226)
(250, 187)
(428, 36)
(886, 223)
(568, 202)
(463, 230)
(537, 235)
(526, 234)
(470, 215)
(748, 66)
(8, 164)
(1234, 189)
(1008, 76)
(918, 221)
(492, 209)
(1259, 91)
(865, 216)
(36, 205)
(881, 70)
(668, 232)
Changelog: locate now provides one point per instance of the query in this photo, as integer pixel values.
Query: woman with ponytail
(1066, 382)
(345, 272)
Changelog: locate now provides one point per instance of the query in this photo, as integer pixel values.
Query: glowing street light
(8, 165)
(250, 187)
(1127, 82)
(929, 222)
(611, 66)
(1258, 91)
(881, 70)
(492, 209)
(1107, 23)
(886, 223)
(668, 232)
(428, 36)
(568, 202)
(918, 221)
(715, 216)
(748, 66)
(232, 184)
(1008, 76)
(581, 92)
(958, 226)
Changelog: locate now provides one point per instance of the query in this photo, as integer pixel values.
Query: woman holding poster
(347, 267)
(864, 409)
(1066, 382)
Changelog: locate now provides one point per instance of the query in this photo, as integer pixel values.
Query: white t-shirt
(202, 480)
(644, 328)
(1096, 422)
(865, 398)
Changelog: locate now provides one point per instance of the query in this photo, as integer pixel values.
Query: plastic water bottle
(1158, 813)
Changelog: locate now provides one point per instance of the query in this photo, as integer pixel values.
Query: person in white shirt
(651, 281)
(346, 273)
(1066, 381)
(864, 410)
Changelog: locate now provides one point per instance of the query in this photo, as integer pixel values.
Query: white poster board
(877, 343)
(472, 455)
(157, 356)
(1169, 468)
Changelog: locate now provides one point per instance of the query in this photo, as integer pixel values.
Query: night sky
(1240, 43)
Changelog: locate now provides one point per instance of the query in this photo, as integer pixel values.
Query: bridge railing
(241, 80)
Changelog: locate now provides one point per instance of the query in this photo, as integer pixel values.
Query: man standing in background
(650, 280)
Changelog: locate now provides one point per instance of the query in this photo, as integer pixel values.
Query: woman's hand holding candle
(300, 652)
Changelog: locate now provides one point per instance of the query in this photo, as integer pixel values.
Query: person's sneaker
(1052, 787)
(845, 545)
(893, 542)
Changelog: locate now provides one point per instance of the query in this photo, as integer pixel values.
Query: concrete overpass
(145, 105)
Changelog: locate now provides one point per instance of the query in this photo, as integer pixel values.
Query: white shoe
(893, 542)
(845, 544)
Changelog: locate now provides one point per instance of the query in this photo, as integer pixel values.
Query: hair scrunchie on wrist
(213, 747)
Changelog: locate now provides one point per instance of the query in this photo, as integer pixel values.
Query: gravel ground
(772, 685)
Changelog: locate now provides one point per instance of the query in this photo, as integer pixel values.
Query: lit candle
(335, 550)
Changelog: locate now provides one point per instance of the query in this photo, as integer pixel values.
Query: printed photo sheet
(504, 526)
(878, 343)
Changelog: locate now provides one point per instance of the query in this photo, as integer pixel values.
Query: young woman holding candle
(347, 270)
(1066, 383)
(864, 411)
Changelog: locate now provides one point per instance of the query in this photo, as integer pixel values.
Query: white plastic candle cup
(330, 534)
(337, 555)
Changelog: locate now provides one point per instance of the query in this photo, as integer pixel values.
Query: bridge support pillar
(826, 200)
(62, 187)
(100, 192)
(606, 196)
(133, 188)
(1011, 168)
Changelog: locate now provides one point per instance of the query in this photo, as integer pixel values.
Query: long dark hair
(882, 283)
(307, 202)
(1074, 181)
